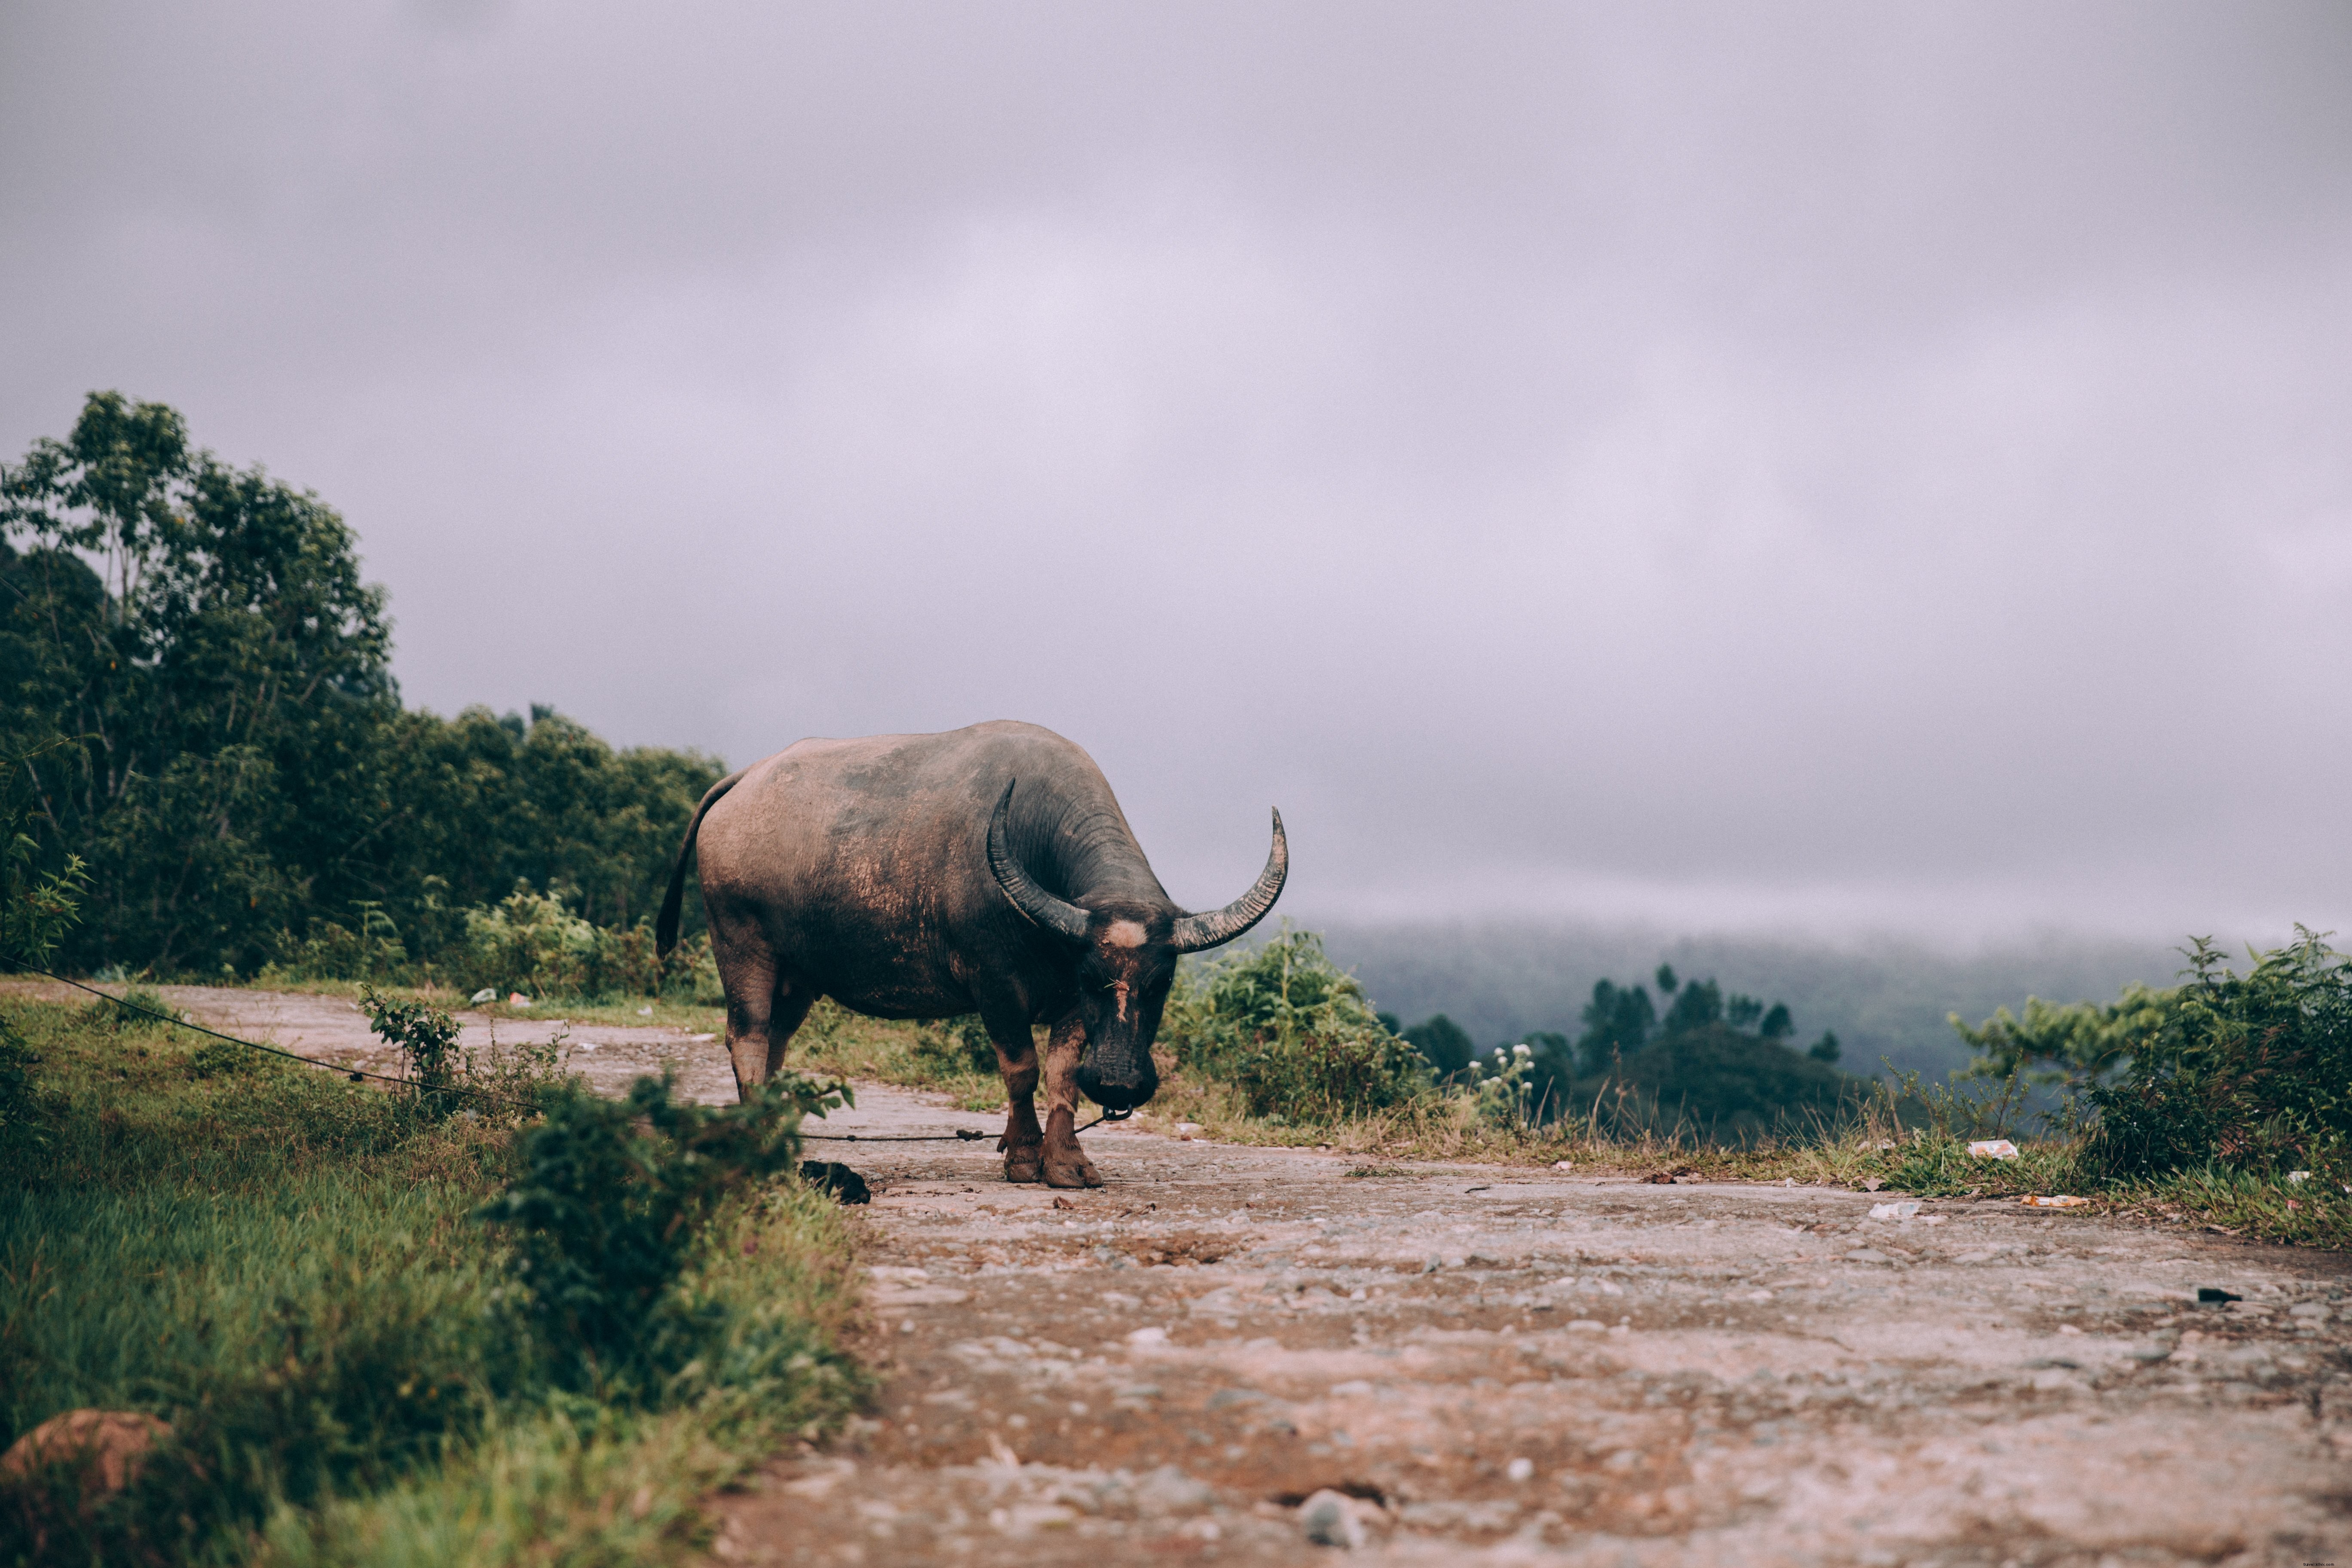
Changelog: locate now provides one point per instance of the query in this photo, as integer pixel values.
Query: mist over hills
(1884, 999)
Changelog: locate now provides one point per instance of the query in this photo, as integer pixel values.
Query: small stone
(1520, 1469)
(111, 1447)
(1170, 1490)
(1329, 1518)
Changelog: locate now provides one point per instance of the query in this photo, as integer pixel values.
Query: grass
(287, 1268)
(1913, 1140)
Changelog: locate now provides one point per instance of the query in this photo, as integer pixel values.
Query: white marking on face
(1126, 933)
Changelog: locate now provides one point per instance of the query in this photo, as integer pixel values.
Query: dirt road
(1498, 1365)
(1506, 1366)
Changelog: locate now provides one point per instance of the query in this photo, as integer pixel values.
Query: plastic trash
(1188, 1130)
(2298, 1177)
(1893, 1211)
(2055, 1202)
(1994, 1149)
(518, 1000)
(486, 994)
(645, 1012)
(2213, 1296)
(1563, 1164)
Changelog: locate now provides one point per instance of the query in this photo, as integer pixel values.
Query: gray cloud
(1845, 467)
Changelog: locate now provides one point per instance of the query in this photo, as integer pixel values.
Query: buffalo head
(1125, 959)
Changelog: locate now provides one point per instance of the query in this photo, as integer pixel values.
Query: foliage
(1616, 1021)
(2072, 1045)
(1500, 1091)
(283, 1265)
(37, 907)
(427, 1038)
(953, 1047)
(605, 1216)
(195, 679)
(2250, 1071)
(1292, 1031)
(1444, 1044)
(1725, 1083)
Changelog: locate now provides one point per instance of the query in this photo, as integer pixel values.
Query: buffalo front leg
(1067, 1164)
(1023, 1142)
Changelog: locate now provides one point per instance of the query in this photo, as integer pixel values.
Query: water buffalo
(987, 870)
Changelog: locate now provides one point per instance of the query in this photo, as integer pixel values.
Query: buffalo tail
(665, 928)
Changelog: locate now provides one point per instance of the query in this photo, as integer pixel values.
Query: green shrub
(427, 1038)
(1292, 1032)
(605, 1216)
(2249, 1073)
(329, 950)
(532, 942)
(953, 1047)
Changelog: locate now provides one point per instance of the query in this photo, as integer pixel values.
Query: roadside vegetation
(481, 1317)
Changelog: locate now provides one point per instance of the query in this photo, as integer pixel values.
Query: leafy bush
(2250, 1071)
(1292, 1032)
(532, 942)
(605, 1213)
(954, 1047)
(427, 1038)
(2073, 1043)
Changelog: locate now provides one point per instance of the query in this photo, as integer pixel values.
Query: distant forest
(1505, 982)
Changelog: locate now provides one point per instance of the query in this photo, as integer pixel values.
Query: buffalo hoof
(1070, 1170)
(1026, 1165)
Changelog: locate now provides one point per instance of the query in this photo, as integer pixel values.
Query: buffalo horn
(1194, 933)
(1059, 916)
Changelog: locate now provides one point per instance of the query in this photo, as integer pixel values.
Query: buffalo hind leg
(1023, 1142)
(763, 1009)
(1067, 1164)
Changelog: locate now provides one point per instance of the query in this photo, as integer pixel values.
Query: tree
(1699, 1004)
(1777, 1023)
(1617, 1021)
(1825, 1049)
(200, 676)
(1444, 1044)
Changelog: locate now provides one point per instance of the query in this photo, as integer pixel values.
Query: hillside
(1883, 999)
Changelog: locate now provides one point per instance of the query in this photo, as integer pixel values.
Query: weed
(607, 1207)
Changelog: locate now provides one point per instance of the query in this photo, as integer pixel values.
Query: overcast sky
(1868, 468)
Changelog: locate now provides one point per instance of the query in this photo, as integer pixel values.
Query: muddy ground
(1499, 1365)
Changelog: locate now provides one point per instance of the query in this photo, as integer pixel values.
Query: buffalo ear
(1060, 916)
(1194, 933)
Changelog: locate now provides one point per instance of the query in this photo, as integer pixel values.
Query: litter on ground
(1994, 1149)
(2055, 1202)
